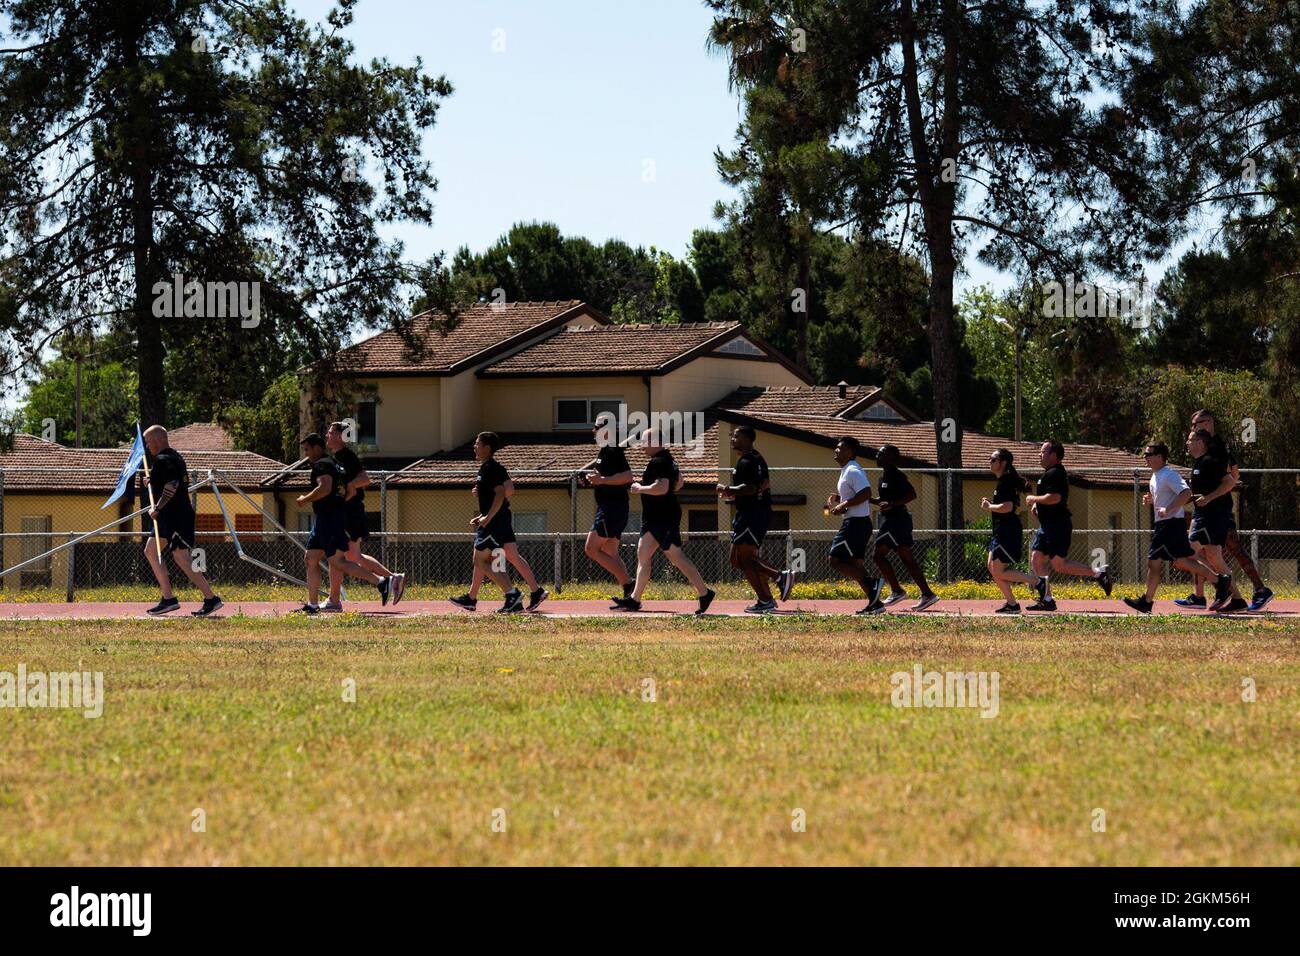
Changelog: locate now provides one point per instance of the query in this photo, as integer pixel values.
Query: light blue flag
(129, 469)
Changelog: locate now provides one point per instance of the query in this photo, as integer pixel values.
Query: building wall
(700, 383)
(408, 417)
(460, 411)
(528, 404)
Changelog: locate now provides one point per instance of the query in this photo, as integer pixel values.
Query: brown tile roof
(481, 331)
(630, 349)
(524, 452)
(201, 436)
(39, 465)
(915, 441)
(821, 400)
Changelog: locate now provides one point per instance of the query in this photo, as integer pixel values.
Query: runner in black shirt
(169, 481)
(1212, 483)
(1232, 546)
(1005, 548)
(355, 479)
(1051, 542)
(895, 532)
(610, 478)
(661, 517)
(751, 493)
(494, 534)
(328, 540)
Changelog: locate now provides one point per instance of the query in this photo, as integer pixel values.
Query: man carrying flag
(173, 521)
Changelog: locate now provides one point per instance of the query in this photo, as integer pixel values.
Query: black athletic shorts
(1007, 543)
(665, 535)
(1169, 541)
(328, 534)
(1053, 539)
(1210, 527)
(750, 527)
(176, 528)
(851, 540)
(354, 520)
(610, 521)
(497, 533)
(895, 529)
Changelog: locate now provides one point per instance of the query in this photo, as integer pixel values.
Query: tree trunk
(149, 349)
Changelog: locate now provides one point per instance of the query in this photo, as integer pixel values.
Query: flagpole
(156, 537)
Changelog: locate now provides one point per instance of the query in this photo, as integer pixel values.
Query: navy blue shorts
(1053, 539)
(1169, 541)
(497, 533)
(610, 521)
(1007, 543)
(1210, 527)
(895, 529)
(666, 535)
(354, 520)
(750, 527)
(176, 528)
(851, 540)
(328, 533)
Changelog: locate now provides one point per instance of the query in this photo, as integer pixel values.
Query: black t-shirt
(1207, 474)
(1007, 489)
(325, 465)
(610, 461)
(491, 476)
(893, 487)
(1220, 450)
(168, 466)
(1054, 481)
(751, 469)
(661, 509)
(352, 467)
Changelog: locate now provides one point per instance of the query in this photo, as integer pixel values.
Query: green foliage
(108, 403)
(270, 427)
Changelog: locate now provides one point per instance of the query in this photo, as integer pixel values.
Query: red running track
(557, 608)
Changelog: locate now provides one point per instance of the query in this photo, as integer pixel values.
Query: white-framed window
(528, 522)
(368, 423)
(581, 412)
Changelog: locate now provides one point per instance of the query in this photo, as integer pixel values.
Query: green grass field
(544, 725)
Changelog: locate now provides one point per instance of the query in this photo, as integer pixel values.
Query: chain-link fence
(252, 531)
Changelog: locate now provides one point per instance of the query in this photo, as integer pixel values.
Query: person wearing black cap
(328, 540)
(1168, 496)
(895, 531)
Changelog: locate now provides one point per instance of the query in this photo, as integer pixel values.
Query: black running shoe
(465, 601)
(514, 602)
(1045, 604)
(384, 586)
(165, 606)
(705, 600)
(785, 582)
(1233, 606)
(536, 598)
(1141, 605)
(1222, 591)
(627, 592)
(1011, 607)
(761, 607)
(877, 585)
(398, 584)
(1105, 580)
(308, 609)
(1041, 590)
(1192, 600)
(875, 607)
(627, 604)
(209, 605)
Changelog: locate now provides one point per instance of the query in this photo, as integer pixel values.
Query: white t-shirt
(1166, 486)
(853, 480)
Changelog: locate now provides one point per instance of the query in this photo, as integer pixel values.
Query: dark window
(780, 521)
(571, 411)
(702, 521)
(367, 425)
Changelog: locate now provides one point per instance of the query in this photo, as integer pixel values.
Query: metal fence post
(948, 555)
(72, 570)
(573, 523)
(1254, 548)
(1137, 525)
(383, 520)
(559, 576)
(2, 519)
